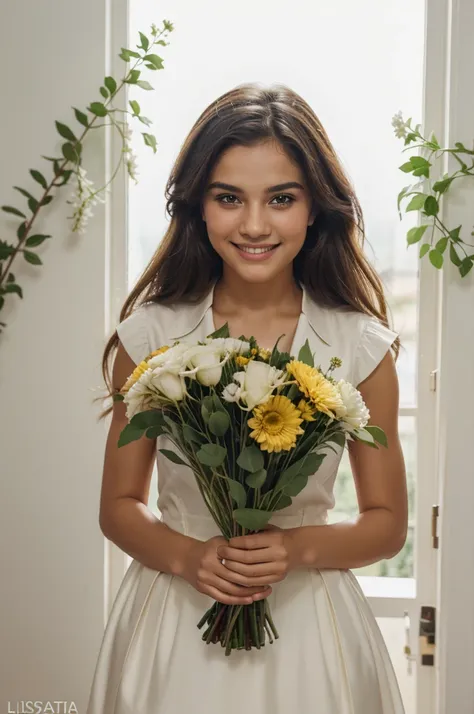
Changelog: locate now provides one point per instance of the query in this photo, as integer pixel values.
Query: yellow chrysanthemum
(141, 368)
(242, 361)
(323, 395)
(307, 410)
(276, 424)
(253, 351)
(264, 354)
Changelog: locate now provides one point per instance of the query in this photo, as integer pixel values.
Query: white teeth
(255, 250)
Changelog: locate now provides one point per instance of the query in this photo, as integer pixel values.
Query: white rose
(258, 382)
(138, 398)
(168, 382)
(173, 356)
(228, 344)
(232, 392)
(354, 412)
(206, 364)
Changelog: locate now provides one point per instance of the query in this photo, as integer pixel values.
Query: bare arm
(126, 520)
(381, 527)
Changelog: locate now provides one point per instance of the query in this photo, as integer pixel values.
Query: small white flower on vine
(131, 160)
(132, 167)
(83, 199)
(399, 126)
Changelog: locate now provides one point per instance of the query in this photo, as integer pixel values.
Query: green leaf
(251, 518)
(217, 404)
(250, 459)
(431, 206)
(172, 426)
(442, 185)
(13, 288)
(70, 153)
(172, 456)
(32, 258)
(135, 107)
(147, 122)
(6, 250)
(465, 266)
(23, 192)
(305, 355)
(406, 168)
(111, 84)
(365, 436)
(379, 435)
(150, 140)
(416, 203)
(63, 179)
(145, 85)
(455, 259)
(191, 435)
(21, 230)
(36, 240)
(153, 432)
(47, 199)
(128, 434)
(127, 54)
(419, 162)
(39, 178)
(221, 332)
(424, 249)
(143, 420)
(13, 210)
(65, 131)
(133, 76)
(306, 466)
(81, 117)
(283, 502)
(99, 109)
(11, 278)
(442, 244)
(238, 493)
(104, 92)
(338, 438)
(436, 258)
(296, 485)
(33, 204)
(256, 479)
(145, 43)
(154, 60)
(219, 423)
(416, 234)
(212, 455)
(117, 397)
(455, 234)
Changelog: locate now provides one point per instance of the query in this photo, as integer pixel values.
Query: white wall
(53, 56)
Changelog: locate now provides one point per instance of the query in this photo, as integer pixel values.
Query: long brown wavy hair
(331, 264)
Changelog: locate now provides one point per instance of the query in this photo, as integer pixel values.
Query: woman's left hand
(260, 559)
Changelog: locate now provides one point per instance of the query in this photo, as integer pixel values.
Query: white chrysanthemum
(257, 382)
(174, 356)
(399, 125)
(228, 344)
(354, 413)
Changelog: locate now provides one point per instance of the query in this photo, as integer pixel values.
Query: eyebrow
(271, 189)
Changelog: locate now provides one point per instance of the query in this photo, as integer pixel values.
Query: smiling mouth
(256, 250)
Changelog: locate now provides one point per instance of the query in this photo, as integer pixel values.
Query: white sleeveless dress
(330, 657)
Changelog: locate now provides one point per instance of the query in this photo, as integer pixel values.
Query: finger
(232, 588)
(257, 570)
(262, 555)
(252, 582)
(226, 599)
(252, 542)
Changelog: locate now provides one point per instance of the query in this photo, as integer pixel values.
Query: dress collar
(188, 316)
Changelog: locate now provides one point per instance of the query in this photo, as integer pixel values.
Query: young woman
(266, 234)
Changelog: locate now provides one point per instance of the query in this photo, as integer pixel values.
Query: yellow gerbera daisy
(314, 385)
(141, 368)
(307, 410)
(276, 424)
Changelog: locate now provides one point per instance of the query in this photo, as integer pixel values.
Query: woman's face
(257, 198)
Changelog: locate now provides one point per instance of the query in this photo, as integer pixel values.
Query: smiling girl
(266, 234)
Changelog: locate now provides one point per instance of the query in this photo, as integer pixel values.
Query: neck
(233, 293)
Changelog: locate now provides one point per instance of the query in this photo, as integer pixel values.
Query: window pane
(401, 565)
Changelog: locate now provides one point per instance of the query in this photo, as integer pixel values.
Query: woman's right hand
(205, 572)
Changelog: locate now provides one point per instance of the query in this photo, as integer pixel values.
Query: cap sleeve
(374, 343)
(133, 334)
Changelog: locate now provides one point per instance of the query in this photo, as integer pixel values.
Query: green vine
(70, 163)
(427, 199)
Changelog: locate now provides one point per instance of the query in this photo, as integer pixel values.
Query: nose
(255, 223)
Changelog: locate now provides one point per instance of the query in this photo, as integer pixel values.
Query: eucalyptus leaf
(153, 432)
(296, 485)
(221, 332)
(219, 423)
(256, 479)
(191, 435)
(252, 518)
(217, 404)
(251, 459)
(306, 466)
(173, 427)
(212, 455)
(172, 456)
(238, 493)
(283, 502)
(151, 417)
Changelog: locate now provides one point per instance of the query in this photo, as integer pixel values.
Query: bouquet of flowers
(252, 425)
